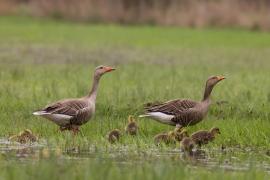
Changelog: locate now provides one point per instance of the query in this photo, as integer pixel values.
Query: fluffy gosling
(179, 135)
(204, 137)
(132, 127)
(166, 138)
(24, 136)
(114, 136)
(187, 144)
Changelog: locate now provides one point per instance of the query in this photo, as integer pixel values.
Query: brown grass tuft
(188, 13)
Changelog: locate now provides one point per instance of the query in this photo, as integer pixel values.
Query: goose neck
(93, 92)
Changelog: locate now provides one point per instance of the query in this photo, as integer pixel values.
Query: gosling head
(130, 119)
(26, 132)
(215, 131)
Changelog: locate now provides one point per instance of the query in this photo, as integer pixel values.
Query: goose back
(69, 111)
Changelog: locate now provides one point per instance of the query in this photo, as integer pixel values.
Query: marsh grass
(41, 62)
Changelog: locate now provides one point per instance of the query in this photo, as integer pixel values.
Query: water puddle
(233, 159)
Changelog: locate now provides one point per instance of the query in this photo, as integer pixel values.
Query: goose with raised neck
(70, 114)
(182, 112)
(92, 95)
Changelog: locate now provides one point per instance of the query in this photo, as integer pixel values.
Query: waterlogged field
(42, 61)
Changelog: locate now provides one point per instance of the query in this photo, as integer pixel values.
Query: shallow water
(231, 159)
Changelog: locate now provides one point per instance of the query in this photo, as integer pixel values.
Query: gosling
(187, 144)
(24, 137)
(179, 135)
(114, 136)
(204, 137)
(132, 127)
(166, 138)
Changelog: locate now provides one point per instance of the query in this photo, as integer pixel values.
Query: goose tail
(40, 113)
(144, 115)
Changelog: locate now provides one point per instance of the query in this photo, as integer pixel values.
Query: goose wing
(173, 107)
(70, 111)
(69, 107)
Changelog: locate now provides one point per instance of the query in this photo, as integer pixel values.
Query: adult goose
(69, 114)
(182, 112)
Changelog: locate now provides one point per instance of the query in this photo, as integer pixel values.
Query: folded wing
(173, 107)
(66, 111)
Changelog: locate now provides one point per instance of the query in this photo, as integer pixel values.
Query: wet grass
(43, 163)
(44, 61)
(100, 169)
(46, 169)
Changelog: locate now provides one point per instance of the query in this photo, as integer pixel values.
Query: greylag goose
(132, 127)
(114, 136)
(183, 112)
(69, 114)
(203, 136)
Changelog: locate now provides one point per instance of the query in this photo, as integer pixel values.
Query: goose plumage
(69, 114)
(182, 112)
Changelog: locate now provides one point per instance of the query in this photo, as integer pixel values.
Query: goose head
(213, 80)
(210, 83)
(100, 70)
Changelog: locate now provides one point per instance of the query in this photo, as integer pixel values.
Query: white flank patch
(60, 119)
(159, 116)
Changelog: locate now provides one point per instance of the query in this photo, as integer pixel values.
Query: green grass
(14, 29)
(42, 61)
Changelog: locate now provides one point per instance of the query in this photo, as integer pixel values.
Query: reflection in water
(228, 159)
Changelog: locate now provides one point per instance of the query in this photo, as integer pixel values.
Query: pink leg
(75, 129)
